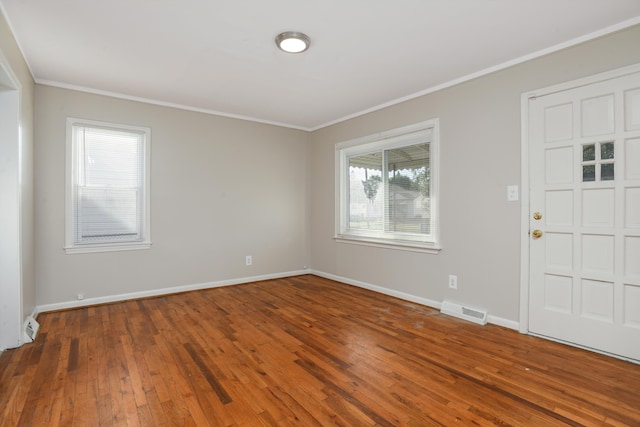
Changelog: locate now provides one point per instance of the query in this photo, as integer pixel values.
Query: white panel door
(584, 242)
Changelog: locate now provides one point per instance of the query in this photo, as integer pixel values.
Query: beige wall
(480, 156)
(220, 189)
(19, 68)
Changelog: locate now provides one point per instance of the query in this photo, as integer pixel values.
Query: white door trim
(524, 179)
(11, 311)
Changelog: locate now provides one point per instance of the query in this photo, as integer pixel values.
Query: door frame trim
(11, 248)
(524, 178)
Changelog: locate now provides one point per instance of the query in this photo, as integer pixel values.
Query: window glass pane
(121, 222)
(606, 150)
(111, 158)
(588, 152)
(408, 189)
(607, 172)
(366, 196)
(588, 173)
(108, 207)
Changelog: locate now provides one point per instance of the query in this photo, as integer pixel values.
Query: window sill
(109, 247)
(402, 245)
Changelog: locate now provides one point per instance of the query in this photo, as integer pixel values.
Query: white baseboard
(163, 291)
(408, 297)
(501, 321)
(379, 289)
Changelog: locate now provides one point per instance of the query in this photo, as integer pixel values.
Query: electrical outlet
(248, 260)
(80, 296)
(453, 281)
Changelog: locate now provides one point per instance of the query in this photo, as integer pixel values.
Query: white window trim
(379, 140)
(75, 248)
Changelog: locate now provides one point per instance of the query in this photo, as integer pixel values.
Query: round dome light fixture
(293, 42)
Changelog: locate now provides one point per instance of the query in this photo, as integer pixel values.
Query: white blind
(109, 199)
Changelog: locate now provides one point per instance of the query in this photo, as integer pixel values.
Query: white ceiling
(219, 56)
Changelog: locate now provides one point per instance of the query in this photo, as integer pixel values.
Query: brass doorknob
(537, 216)
(536, 234)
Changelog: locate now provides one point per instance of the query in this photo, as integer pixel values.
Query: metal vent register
(31, 327)
(471, 314)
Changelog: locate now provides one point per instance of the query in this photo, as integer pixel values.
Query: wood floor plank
(156, 410)
(13, 403)
(302, 351)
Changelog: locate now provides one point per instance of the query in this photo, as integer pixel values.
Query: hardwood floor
(301, 351)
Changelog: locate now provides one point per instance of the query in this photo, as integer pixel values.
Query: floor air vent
(463, 312)
(31, 327)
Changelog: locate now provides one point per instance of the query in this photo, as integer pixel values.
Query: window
(600, 154)
(107, 187)
(387, 188)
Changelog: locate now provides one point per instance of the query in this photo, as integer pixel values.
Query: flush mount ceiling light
(293, 42)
